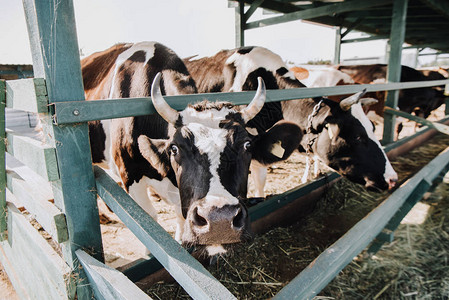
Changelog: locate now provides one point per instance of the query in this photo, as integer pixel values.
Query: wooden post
(54, 45)
(3, 226)
(337, 50)
(240, 24)
(397, 35)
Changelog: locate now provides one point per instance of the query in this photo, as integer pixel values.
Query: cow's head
(346, 142)
(209, 150)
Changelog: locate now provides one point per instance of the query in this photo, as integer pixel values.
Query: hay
(414, 266)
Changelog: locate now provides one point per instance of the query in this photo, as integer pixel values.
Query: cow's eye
(174, 150)
(358, 138)
(247, 145)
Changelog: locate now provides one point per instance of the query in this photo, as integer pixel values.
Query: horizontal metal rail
(84, 111)
(327, 265)
(438, 126)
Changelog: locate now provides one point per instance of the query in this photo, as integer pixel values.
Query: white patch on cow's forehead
(359, 114)
(147, 47)
(258, 57)
(209, 117)
(208, 140)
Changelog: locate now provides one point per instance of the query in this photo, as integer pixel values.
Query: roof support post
(55, 53)
(337, 50)
(240, 24)
(397, 35)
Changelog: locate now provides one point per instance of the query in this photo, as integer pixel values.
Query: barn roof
(427, 20)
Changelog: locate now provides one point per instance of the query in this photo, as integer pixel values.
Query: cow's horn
(169, 114)
(257, 103)
(346, 103)
(368, 101)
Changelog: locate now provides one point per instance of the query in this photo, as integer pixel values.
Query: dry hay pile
(414, 266)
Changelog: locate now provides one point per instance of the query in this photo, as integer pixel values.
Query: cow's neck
(308, 115)
(298, 111)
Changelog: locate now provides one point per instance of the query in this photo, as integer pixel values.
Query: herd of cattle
(199, 159)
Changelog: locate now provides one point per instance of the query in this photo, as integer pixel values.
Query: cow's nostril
(392, 183)
(239, 220)
(197, 219)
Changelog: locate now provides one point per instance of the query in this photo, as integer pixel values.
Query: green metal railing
(70, 112)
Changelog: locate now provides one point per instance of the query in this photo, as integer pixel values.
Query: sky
(194, 27)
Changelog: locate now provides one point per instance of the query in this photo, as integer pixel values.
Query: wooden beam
(27, 94)
(108, 283)
(36, 195)
(3, 226)
(325, 10)
(397, 37)
(43, 273)
(39, 157)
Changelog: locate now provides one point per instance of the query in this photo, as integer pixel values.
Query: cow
(436, 74)
(197, 159)
(321, 77)
(340, 134)
(421, 101)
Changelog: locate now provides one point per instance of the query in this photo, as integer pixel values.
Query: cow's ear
(333, 130)
(154, 151)
(276, 144)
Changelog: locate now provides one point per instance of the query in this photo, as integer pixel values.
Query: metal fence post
(55, 53)
(397, 35)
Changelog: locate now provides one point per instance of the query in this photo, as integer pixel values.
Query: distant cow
(197, 159)
(436, 74)
(421, 101)
(340, 134)
(321, 77)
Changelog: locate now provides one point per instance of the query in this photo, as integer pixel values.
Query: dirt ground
(122, 247)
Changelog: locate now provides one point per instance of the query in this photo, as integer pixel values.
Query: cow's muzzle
(212, 225)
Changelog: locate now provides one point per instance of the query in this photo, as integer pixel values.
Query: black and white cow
(340, 134)
(197, 159)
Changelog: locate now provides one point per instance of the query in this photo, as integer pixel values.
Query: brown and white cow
(421, 101)
(340, 134)
(197, 159)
